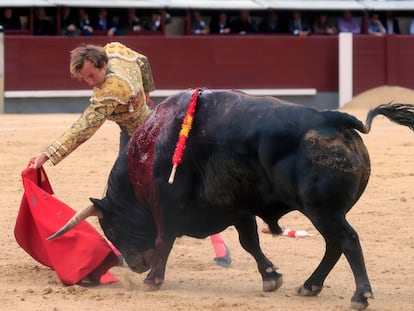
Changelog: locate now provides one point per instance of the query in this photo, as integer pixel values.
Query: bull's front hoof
(314, 291)
(361, 303)
(151, 287)
(272, 284)
(358, 305)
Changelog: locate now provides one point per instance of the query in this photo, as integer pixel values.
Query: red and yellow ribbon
(183, 135)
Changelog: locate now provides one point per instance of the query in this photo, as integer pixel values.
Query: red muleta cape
(81, 253)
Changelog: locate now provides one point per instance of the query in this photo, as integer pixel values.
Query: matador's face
(91, 74)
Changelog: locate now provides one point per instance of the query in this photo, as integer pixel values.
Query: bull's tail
(402, 114)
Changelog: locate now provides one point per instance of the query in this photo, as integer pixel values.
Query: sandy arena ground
(382, 217)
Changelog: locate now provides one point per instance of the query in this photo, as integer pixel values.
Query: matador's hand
(37, 161)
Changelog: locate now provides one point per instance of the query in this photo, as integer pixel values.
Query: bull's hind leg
(249, 240)
(313, 286)
(340, 238)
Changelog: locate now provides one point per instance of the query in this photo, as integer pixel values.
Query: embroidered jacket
(121, 98)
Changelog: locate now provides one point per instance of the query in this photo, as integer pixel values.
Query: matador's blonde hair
(93, 53)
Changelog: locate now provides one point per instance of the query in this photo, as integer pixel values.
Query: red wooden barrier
(256, 61)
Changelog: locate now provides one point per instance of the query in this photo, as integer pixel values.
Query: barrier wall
(257, 61)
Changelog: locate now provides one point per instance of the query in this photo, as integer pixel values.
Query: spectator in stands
(299, 26)
(391, 23)
(128, 22)
(244, 24)
(411, 28)
(348, 23)
(9, 20)
(375, 26)
(105, 22)
(154, 24)
(84, 22)
(198, 25)
(220, 24)
(42, 26)
(323, 26)
(156, 21)
(68, 23)
(134, 22)
(270, 23)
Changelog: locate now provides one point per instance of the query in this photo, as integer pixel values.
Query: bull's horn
(80, 215)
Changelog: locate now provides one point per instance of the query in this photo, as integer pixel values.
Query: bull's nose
(141, 262)
(138, 268)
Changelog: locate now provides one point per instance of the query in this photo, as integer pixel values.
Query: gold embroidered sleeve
(81, 130)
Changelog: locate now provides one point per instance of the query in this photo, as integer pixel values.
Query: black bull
(246, 156)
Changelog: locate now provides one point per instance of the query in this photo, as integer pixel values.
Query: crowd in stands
(297, 25)
(80, 21)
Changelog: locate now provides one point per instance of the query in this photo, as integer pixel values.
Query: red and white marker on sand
(295, 233)
(290, 233)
